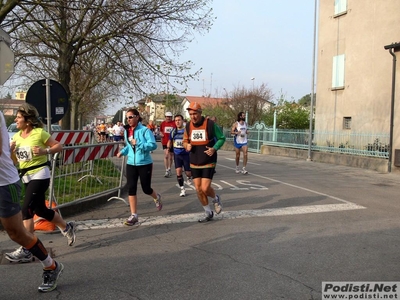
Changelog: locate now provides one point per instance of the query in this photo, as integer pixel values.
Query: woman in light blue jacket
(140, 142)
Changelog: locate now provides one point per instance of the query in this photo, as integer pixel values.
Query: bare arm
(233, 132)
(53, 146)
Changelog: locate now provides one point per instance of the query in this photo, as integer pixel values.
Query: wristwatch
(48, 150)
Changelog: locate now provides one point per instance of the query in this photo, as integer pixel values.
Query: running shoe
(166, 175)
(71, 233)
(206, 218)
(20, 255)
(237, 170)
(50, 278)
(189, 180)
(158, 202)
(217, 204)
(132, 220)
(244, 171)
(169, 172)
(183, 193)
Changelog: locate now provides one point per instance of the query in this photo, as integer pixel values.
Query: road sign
(37, 96)
(6, 57)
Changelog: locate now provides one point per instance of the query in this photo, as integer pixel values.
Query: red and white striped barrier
(72, 137)
(91, 152)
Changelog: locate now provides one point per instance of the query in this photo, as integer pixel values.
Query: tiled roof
(205, 100)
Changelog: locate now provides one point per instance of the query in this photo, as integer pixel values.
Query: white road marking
(192, 218)
(293, 186)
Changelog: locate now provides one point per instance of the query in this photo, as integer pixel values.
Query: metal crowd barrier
(84, 171)
(73, 137)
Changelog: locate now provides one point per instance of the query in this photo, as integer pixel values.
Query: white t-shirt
(118, 129)
(8, 172)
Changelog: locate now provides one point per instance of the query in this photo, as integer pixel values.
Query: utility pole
(310, 134)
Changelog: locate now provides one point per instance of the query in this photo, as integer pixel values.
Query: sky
(268, 40)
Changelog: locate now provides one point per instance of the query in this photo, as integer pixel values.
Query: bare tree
(6, 7)
(255, 101)
(140, 40)
(93, 83)
(223, 113)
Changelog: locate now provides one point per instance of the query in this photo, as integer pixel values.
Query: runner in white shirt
(239, 131)
(118, 130)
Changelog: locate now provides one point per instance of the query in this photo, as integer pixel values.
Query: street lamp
(252, 79)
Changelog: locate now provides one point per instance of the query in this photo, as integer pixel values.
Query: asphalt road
(286, 227)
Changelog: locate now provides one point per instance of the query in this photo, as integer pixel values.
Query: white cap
(168, 114)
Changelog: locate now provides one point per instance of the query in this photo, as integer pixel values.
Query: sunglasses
(131, 117)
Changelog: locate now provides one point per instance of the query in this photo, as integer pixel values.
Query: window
(340, 7)
(346, 122)
(338, 72)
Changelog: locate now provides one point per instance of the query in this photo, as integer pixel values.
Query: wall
(361, 35)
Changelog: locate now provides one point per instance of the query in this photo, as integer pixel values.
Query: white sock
(48, 262)
(207, 209)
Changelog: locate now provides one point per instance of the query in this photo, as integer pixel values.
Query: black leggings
(35, 200)
(133, 173)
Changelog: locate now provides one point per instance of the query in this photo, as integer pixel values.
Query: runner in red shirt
(165, 129)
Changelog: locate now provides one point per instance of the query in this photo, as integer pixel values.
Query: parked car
(12, 129)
